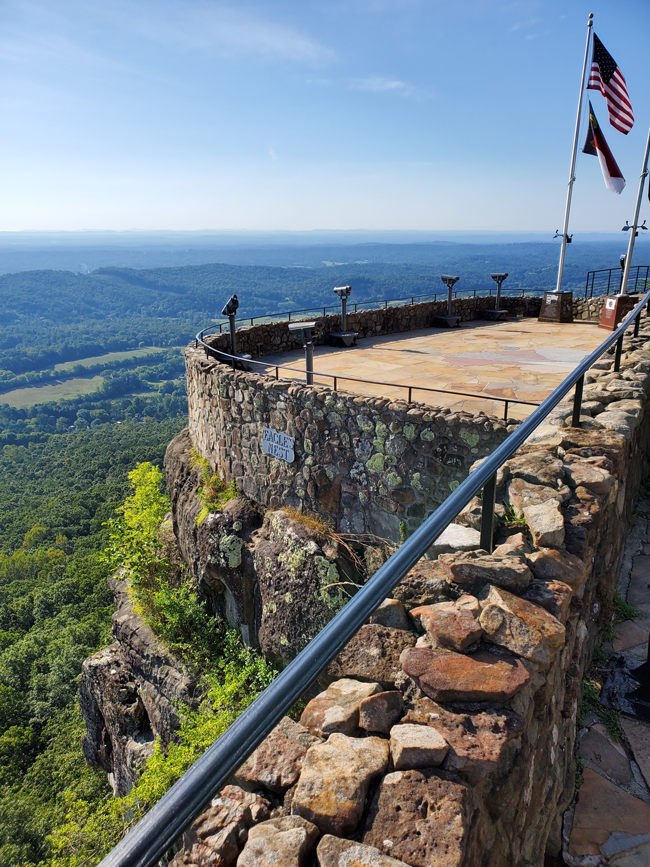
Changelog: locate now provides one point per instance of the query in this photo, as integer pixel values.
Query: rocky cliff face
(444, 736)
(131, 693)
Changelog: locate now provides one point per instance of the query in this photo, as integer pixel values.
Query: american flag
(607, 78)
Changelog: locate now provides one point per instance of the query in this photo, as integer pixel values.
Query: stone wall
(446, 736)
(365, 464)
(588, 308)
(259, 340)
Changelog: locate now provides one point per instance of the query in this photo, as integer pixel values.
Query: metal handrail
(200, 338)
(607, 281)
(163, 824)
(380, 303)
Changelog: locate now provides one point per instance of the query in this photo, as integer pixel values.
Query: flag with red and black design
(606, 77)
(597, 146)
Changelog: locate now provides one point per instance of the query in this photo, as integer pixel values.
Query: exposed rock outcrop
(130, 694)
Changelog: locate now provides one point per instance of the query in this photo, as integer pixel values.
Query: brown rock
(470, 603)
(546, 524)
(337, 708)
(425, 584)
(277, 762)
(590, 473)
(380, 712)
(372, 655)
(558, 565)
(537, 468)
(553, 596)
(470, 567)
(218, 835)
(452, 627)
(420, 817)
(335, 852)
(335, 780)
(521, 626)
(391, 613)
(516, 544)
(415, 746)
(447, 676)
(522, 493)
(602, 810)
(477, 742)
(288, 841)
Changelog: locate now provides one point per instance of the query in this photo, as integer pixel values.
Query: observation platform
(519, 359)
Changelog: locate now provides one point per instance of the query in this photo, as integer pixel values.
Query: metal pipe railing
(221, 354)
(608, 280)
(383, 302)
(163, 824)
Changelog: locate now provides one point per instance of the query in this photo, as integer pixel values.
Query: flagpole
(574, 154)
(634, 227)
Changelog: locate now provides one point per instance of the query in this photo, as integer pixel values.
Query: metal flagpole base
(615, 309)
(557, 307)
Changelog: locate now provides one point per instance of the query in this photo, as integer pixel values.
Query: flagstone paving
(520, 359)
(610, 822)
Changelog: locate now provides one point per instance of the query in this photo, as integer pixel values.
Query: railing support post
(487, 514)
(619, 352)
(577, 402)
(637, 322)
(309, 362)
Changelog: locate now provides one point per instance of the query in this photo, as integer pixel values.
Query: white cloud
(273, 155)
(222, 29)
(377, 83)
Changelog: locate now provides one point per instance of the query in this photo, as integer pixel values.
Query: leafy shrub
(232, 676)
(213, 493)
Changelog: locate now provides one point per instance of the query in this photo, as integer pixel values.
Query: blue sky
(340, 114)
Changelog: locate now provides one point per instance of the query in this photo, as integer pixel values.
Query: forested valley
(113, 338)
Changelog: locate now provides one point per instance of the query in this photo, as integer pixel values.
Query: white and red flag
(597, 146)
(606, 77)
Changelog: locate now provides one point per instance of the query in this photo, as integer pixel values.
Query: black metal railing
(220, 355)
(163, 824)
(382, 303)
(607, 281)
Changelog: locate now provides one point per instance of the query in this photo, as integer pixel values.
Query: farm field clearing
(22, 398)
(113, 356)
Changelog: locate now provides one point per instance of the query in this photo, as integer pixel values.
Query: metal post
(619, 352)
(637, 322)
(505, 411)
(449, 294)
(574, 153)
(309, 362)
(233, 338)
(344, 313)
(487, 514)
(577, 402)
(635, 225)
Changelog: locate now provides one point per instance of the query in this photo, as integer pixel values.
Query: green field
(112, 356)
(21, 398)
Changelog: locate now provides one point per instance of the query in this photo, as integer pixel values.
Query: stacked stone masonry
(443, 734)
(449, 739)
